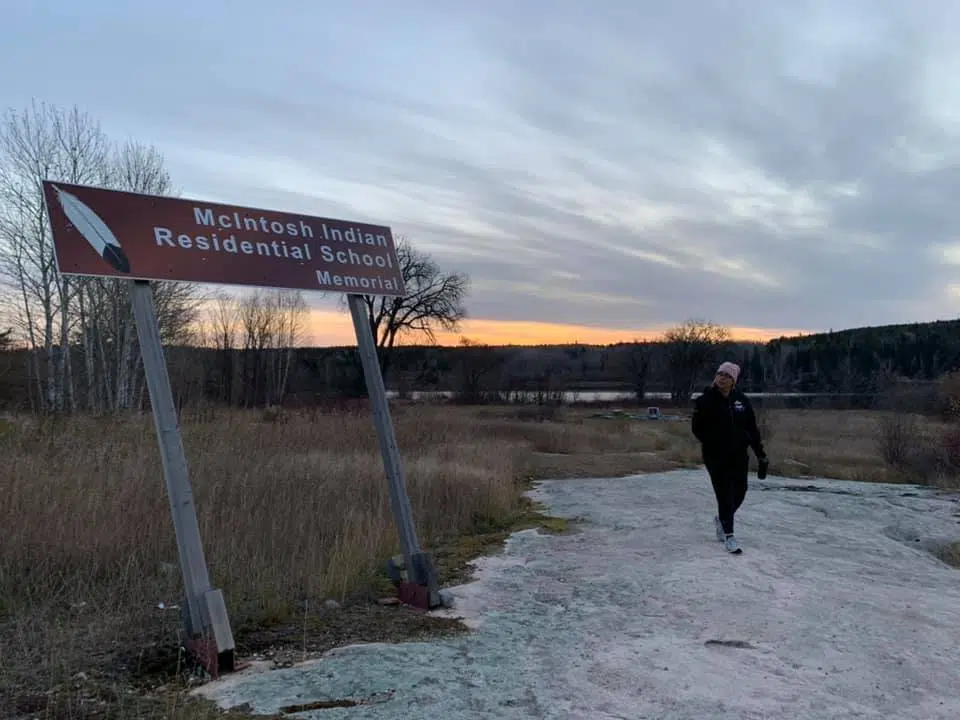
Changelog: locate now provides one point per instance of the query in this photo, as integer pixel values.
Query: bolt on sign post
(141, 238)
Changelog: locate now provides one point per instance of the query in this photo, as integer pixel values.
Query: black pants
(728, 475)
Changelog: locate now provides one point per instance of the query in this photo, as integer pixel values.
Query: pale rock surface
(836, 609)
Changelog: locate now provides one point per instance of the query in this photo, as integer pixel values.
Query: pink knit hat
(731, 369)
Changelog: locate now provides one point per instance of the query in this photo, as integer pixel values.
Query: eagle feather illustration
(94, 230)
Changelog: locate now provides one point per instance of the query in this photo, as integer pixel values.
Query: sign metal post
(205, 612)
(420, 570)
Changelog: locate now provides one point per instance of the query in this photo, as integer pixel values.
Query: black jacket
(726, 426)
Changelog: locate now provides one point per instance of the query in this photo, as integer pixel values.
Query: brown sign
(110, 233)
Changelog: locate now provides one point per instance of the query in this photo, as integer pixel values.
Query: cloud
(619, 165)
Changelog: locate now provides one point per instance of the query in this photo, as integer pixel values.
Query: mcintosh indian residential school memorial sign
(144, 237)
(109, 233)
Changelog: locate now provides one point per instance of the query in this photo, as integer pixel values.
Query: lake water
(594, 396)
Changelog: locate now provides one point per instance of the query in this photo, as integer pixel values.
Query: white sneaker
(719, 526)
(730, 542)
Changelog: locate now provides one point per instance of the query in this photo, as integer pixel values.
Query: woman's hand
(763, 464)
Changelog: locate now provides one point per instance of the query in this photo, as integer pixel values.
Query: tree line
(864, 362)
(69, 344)
(249, 355)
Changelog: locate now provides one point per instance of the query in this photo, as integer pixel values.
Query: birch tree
(271, 325)
(114, 369)
(220, 333)
(287, 311)
(55, 312)
(263, 329)
(38, 143)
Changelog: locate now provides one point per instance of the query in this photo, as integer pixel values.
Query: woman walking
(726, 426)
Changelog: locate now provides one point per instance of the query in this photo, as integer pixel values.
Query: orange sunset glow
(330, 327)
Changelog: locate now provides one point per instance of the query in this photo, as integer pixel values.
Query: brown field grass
(293, 514)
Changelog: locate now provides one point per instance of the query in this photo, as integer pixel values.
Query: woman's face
(724, 382)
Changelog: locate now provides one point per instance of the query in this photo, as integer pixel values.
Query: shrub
(950, 443)
(949, 392)
(925, 457)
(899, 436)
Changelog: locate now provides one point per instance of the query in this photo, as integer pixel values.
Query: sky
(601, 170)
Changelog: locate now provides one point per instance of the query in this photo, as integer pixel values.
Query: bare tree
(690, 347)
(476, 362)
(60, 316)
(6, 365)
(638, 360)
(255, 333)
(271, 324)
(287, 310)
(36, 144)
(113, 364)
(221, 333)
(223, 322)
(138, 168)
(434, 300)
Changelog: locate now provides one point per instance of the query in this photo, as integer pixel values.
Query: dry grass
(576, 444)
(292, 513)
(851, 445)
(826, 443)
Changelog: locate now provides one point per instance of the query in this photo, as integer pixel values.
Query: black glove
(763, 464)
